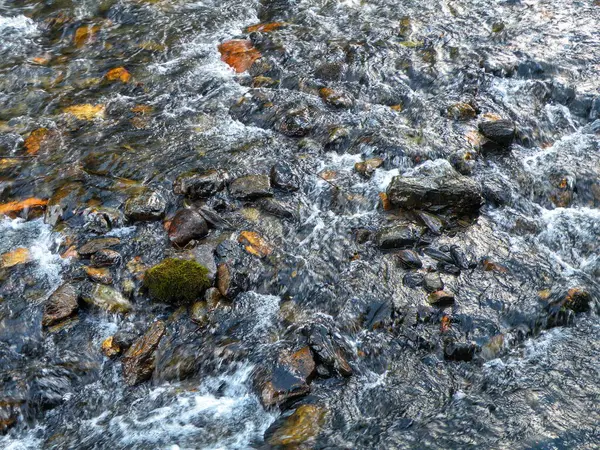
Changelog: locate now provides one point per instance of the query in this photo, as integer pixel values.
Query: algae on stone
(176, 280)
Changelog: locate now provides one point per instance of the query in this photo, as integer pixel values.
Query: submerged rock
(441, 298)
(95, 245)
(200, 184)
(327, 351)
(500, 132)
(408, 259)
(177, 280)
(368, 167)
(300, 428)
(457, 351)
(187, 225)
(250, 187)
(432, 282)
(106, 258)
(436, 192)
(284, 177)
(106, 297)
(61, 305)
(139, 360)
(398, 236)
(149, 205)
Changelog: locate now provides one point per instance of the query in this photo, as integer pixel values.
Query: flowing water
(530, 377)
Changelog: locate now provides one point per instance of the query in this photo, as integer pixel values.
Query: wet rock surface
(393, 244)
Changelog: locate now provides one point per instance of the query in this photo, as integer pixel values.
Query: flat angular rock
(106, 298)
(149, 205)
(200, 184)
(139, 360)
(250, 187)
(95, 245)
(399, 236)
(61, 305)
(441, 192)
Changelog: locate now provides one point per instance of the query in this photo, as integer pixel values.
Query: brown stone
(139, 361)
(300, 428)
(441, 298)
(61, 305)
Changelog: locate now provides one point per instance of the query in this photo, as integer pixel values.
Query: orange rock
(99, 274)
(12, 208)
(86, 111)
(255, 244)
(71, 252)
(18, 256)
(118, 74)
(109, 348)
(328, 175)
(85, 34)
(445, 324)
(142, 109)
(489, 266)
(385, 202)
(265, 27)
(41, 60)
(34, 141)
(239, 54)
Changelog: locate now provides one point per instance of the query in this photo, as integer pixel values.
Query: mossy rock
(177, 280)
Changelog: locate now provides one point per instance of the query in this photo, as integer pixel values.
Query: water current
(341, 315)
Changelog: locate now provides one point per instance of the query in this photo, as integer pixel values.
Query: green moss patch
(177, 280)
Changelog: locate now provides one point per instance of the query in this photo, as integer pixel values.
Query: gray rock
(149, 205)
(106, 298)
(501, 132)
(443, 191)
(284, 177)
(200, 185)
(251, 187)
(398, 236)
(432, 282)
(95, 245)
(204, 254)
(106, 258)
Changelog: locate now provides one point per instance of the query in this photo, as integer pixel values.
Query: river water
(530, 377)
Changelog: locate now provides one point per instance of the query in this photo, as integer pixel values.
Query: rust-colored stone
(239, 54)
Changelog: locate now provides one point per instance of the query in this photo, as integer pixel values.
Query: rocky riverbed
(299, 224)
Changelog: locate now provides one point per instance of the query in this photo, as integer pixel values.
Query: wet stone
(300, 428)
(139, 360)
(500, 132)
(95, 245)
(106, 298)
(432, 282)
(204, 255)
(458, 351)
(398, 236)
(187, 225)
(408, 259)
(99, 275)
(284, 177)
(106, 258)
(250, 187)
(149, 205)
(277, 208)
(441, 298)
(459, 257)
(412, 280)
(200, 184)
(199, 312)
(296, 122)
(61, 305)
(368, 167)
(327, 351)
(282, 386)
(436, 192)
